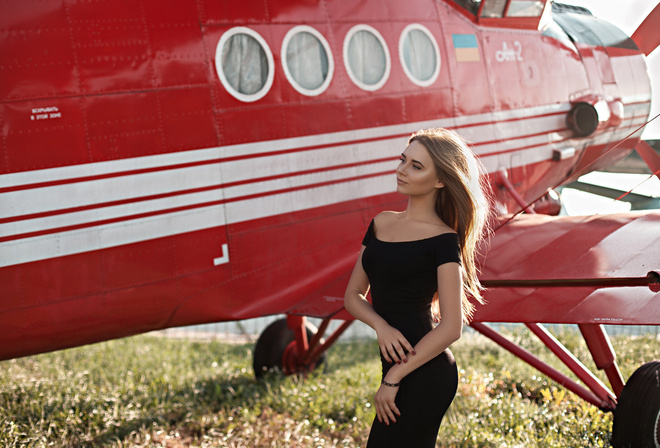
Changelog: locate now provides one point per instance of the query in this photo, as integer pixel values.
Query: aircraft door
(597, 64)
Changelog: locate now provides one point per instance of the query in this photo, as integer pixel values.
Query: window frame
(221, 74)
(326, 46)
(436, 48)
(388, 61)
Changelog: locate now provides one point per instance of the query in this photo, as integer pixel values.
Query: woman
(420, 267)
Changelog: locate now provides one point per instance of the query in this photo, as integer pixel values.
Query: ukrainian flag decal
(465, 47)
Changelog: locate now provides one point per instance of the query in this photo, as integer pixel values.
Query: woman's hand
(393, 345)
(386, 409)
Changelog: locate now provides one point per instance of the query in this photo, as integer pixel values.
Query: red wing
(541, 268)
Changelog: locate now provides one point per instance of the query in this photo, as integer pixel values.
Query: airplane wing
(600, 269)
(539, 268)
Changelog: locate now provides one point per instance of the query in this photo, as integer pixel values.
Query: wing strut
(503, 181)
(598, 394)
(652, 280)
(603, 354)
(651, 158)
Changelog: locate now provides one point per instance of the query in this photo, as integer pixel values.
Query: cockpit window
(366, 57)
(308, 63)
(525, 8)
(471, 5)
(586, 29)
(419, 55)
(493, 8)
(244, 64)
(556, 32)
(498, 8)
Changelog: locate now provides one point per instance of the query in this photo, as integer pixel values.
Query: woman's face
(416, 175)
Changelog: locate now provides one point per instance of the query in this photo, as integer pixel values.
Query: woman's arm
(393, 345)
(432, 344)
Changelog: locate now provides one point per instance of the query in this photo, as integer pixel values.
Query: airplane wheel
(276, 350)
(637, 414)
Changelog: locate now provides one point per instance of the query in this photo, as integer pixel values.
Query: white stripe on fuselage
(216, 175)
(249, 149)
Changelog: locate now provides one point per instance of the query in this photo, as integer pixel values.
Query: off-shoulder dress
(403, 280)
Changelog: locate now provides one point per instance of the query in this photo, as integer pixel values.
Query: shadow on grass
(116, 393)
(188, 407)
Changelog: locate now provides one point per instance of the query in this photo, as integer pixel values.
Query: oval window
(244, 64)
(419, 55)
(366, 57)
(308, 63)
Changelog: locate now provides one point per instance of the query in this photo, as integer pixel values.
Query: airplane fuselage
(171, 163)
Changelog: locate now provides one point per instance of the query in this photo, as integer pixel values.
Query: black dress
(403, 279)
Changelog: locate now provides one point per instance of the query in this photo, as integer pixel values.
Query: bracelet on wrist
(385, 383)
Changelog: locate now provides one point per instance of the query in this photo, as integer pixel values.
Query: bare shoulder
(386, 217)
(431, 227)
(440, 227)
(385, 224)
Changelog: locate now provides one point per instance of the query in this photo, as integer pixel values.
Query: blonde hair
(462, 204)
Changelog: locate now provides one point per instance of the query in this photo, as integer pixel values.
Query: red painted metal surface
(562, 250)
(588, 378)
(603, 354)
(557, 269)
(651, 157)
(318, 347)
(646, 35)
(137, 193)
(597, 394)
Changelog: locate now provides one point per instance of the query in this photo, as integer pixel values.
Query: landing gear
(637, 414)
(293, 345)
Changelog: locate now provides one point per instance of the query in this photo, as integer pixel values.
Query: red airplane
(168, 163)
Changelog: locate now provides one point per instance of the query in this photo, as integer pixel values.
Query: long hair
(462, 204)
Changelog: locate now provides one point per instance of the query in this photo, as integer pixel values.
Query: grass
(150, 391)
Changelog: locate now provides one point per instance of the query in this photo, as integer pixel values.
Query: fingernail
(405, 360)
(413, 352)
(398, 362)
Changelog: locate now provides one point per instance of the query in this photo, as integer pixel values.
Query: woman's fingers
(393, 345)
(382, 415)
(397, 351)
(407, 346)
(404, 347)
(390, 416)
(385, 415)
(385, 351)
(401, 352)
(386, 409)
(395, 410)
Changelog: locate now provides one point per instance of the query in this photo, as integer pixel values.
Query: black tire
(637, 414)
(270, 347)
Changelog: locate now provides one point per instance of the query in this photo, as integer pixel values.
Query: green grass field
(153, 391)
